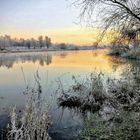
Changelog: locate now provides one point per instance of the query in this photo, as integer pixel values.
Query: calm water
(17, 71)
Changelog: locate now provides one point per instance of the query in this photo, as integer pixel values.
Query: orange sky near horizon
(71, 35)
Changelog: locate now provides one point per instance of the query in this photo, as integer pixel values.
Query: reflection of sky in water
(51, 65)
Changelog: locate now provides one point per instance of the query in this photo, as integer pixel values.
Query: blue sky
(37, 13)
(30, 18)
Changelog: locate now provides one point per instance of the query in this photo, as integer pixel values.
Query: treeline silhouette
(8, 41)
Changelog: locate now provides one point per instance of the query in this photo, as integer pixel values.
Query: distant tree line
(41, 42)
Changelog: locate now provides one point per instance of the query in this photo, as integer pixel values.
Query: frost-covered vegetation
(126, 52)
(34, 121)
(127, 45)
(9, 44)
(114, 106)
(97, 90)
(83, 94)
(6, 42)
(122, 126)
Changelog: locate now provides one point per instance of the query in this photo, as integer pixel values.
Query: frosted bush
(34, 122)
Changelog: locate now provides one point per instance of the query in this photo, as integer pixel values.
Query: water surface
(17, 70)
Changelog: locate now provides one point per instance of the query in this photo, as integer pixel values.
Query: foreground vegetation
(126, 52)
(122, 126)
(110, 108)
(34, 121)
(114, 106)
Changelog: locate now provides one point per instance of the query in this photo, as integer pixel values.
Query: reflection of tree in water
(47, 61)
(63, 55)
(7, 63)
(8, 60)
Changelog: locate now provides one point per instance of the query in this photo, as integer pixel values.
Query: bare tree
(120, 15)
(47, 41)
(6, 42)
(40, 38)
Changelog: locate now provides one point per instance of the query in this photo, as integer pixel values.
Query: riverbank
(52, 48)
(125, 52)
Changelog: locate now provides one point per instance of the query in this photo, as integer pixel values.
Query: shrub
(34, 122)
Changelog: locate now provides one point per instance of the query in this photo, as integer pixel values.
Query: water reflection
(76, 59)
(85, 59)
(52, 65)
(8, 60)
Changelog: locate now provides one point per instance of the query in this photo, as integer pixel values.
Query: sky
(55, 18)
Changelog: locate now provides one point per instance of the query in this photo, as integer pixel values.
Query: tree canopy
(122, 15)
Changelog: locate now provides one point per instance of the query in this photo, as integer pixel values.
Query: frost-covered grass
(118, 114)
(84, 94)
(118, 50)
(53, 47)
(34, 121)
(132, 54)
(126, 52)
(122, 126)
(98, 91)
